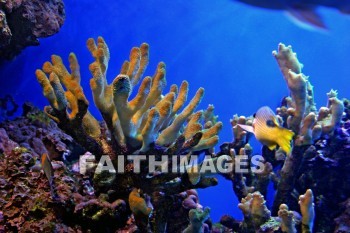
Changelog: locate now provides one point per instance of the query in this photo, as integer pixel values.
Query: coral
(133, 124)
(152, 126)
(312, 127)
(254, 210)
(306, 202)
(6, 144)
(230, 223)
(241, 137)
(22, 22)
(191, 201)
(296, 82)
(287, 219)
(151, 123)
(140, 208)
(28, 206)
(36, 132)
(318, 160)
(347, 109)
(343, 221)
(197, 219)
(257, 217)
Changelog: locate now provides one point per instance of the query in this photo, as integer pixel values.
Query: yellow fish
(268, 131)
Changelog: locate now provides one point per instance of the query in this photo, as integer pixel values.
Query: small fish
(49, 172)
(303, 12)
(47, 167)
(268, 131)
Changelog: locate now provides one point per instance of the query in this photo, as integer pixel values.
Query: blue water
(220, 45)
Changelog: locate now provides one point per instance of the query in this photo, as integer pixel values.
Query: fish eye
(270, 123)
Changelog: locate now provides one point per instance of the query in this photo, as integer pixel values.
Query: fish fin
(306, 17)
(275, 120)
(248, 128)
(284, 140)
(272, 147)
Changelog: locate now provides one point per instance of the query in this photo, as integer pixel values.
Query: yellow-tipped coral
(69, 108)
(134, 124)
(151, 123)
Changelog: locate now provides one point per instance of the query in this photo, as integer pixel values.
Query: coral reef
(317, 162)
(22, 22)
(80, 189)
(36, 132)
(27, 205)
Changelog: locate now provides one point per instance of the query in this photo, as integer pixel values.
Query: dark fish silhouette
(302, 11)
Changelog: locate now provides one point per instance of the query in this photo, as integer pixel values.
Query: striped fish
(49, 172)
(268, 131)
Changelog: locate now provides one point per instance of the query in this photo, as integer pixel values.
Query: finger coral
(134, 124)
(320, 149)
(150, 123)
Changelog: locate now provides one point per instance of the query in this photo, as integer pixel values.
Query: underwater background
(222, 45)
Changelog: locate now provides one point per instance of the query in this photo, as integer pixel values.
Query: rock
(22, 22)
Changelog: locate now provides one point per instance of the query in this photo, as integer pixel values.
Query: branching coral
(150, 123)
(306, 124)
(257, 218)
(320, 142)
(302, 116)
(135, 124)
